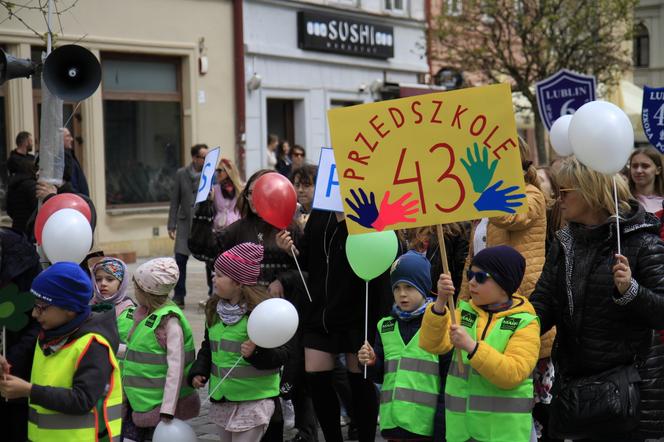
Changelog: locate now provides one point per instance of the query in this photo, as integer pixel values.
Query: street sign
(562, 94)
(652, 116)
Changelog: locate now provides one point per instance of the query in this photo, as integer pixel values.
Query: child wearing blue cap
(410, 375)
(74, 391)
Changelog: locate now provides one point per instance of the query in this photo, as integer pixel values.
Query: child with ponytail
(243, 403)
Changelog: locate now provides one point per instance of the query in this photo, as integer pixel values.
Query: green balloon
(370, 254)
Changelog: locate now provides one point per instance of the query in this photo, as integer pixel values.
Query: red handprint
(397, 212)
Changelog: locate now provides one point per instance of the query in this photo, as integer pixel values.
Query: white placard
(205, 183)
(327, 195)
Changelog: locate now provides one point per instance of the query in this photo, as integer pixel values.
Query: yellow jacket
(527, 234)
(505, 370)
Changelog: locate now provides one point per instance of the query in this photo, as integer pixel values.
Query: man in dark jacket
(78, 180)
(181, 213)
(21, 196)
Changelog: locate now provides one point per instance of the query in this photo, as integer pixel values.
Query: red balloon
(275, 200)
(55, 203)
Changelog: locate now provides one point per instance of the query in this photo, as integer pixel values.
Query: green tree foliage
(528, 40)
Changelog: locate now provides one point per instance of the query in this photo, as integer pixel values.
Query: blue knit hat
(414, 269)
(64, 285)
(505, 264)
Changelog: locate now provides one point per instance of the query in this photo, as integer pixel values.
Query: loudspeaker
(12, 67)
(72, 73)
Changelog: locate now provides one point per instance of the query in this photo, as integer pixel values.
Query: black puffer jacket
(597, 328)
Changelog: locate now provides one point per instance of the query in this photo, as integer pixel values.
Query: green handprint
(481, 173)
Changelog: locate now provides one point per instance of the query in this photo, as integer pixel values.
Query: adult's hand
(171, 234)
(622, 274)
(43, 189)
(199, 381)
(285, 242)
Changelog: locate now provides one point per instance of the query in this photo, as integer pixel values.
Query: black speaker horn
(12, 67)
(72, 73)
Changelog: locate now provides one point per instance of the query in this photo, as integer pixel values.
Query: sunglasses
(480, 277)
(298, 154)
(220, 170)
(562, 193)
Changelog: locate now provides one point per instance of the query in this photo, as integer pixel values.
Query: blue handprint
(481, 173)
(366, 209)
(494, 199)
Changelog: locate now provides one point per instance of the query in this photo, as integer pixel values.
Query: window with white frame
(395, 5)
(454, 7)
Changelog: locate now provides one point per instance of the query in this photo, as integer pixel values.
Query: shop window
(395, 5)
(142, 128)
(641, 49)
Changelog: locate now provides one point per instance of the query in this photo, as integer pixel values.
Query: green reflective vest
(411, 382)
(57, 370)
(125, 322)
(245, 382)
(477, 410)
(145, 366)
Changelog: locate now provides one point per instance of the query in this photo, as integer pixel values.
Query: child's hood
(102, 323)
(520, 304)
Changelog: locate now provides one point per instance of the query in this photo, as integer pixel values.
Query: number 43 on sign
(429, 159)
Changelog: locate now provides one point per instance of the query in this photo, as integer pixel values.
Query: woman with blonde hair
(605, 306)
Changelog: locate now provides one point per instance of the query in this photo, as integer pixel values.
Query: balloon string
(222, 380)
(615, 198)
(300, 270)
(366, 319)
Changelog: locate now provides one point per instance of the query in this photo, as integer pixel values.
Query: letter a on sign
(327, 195)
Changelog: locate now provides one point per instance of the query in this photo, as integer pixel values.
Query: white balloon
(602, 136)
(67, 236)
(559, 135)
(174, 431)
(272, 323)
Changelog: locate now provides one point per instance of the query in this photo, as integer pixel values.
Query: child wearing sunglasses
(497, 336)
(410, 376)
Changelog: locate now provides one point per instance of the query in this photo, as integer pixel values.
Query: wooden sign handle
(450, 299)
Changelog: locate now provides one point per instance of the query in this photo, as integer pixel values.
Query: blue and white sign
(205, 183)
(562, 94)
(652, 116)
(326, 194)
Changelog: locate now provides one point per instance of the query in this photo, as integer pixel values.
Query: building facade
(167, 83)
(303, 58)
(648, 43)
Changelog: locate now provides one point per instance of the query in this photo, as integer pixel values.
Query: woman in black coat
(606, 307)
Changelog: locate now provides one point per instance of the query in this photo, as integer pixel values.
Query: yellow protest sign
(429, 159)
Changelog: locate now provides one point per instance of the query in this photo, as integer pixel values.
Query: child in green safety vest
(410, 376)
(496, 334)
(244, 378)
(75, 390)
(160, 351)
